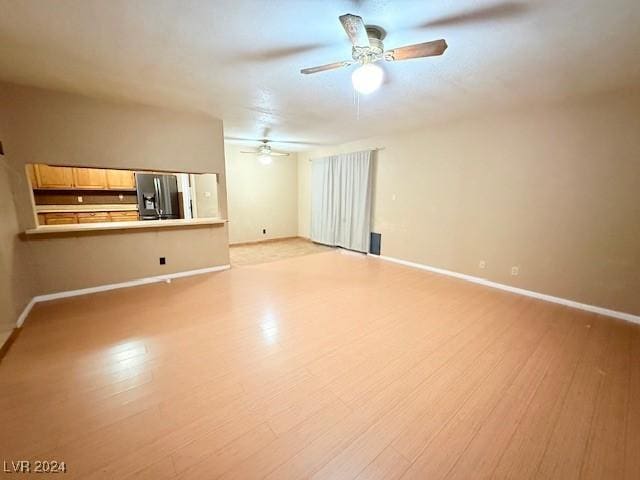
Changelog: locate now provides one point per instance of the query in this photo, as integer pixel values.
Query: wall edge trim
(629, 317)
(114, 286)
(25, 313)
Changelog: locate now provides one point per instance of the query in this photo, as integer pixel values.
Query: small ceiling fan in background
(368, 49)
(265, 153)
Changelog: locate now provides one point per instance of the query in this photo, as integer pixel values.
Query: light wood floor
(262, 252)
(332, 366)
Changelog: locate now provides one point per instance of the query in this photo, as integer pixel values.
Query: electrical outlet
(482, 264)
(515, 270)
(121, 197)
(163, 261)
(264, 231)
(80, 200)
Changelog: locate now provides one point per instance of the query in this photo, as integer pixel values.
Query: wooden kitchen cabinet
(68, 178)
(124, 216)
(68, 218)
(93, 217)
(121, 180)
(60, 218)
(89, 178)
(31, 173)
(53, 177)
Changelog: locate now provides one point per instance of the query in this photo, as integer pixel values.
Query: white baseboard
(114, 286)
(25, 313)
(520, 291)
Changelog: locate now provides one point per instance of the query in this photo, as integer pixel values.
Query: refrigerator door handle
(156, 185)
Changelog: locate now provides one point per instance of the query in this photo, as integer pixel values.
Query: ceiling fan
(265, 153)
(368, 49)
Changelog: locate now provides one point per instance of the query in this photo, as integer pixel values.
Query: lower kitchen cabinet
(60, 218)
(124, 216)
(68, 218)
(93, 217)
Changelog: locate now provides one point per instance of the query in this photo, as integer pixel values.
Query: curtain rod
(376, 149)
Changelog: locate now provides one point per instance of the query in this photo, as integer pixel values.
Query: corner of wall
(18, 279)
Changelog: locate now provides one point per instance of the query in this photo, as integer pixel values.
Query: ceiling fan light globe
(265, 159)
(367, 78)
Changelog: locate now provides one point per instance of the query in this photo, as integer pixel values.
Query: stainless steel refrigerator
(157, 196)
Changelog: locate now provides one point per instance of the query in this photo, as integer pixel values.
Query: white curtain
(341, 200)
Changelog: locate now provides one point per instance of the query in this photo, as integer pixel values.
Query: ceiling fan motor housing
(373, 52)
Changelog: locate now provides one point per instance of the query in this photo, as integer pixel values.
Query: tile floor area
(262, 252)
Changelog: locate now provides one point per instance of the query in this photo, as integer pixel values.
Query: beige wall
(555, 191)
(65, 129)
(82, 261)
(17, 282)
(261, 196)
(205, 187)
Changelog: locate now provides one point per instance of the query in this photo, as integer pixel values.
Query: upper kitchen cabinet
(46, 177)
(53, 177)
(121, 180)
(89, 178)
(31, 173)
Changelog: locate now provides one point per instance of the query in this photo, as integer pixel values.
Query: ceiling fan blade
(279, 154)
(247, 151)
(419, 50)
(274, 54)
(354, 26)
(497, 11)
(324, 68)
(287, 142)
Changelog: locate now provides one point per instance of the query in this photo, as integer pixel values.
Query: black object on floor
(375, 243)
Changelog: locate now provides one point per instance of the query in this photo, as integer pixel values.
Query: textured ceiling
(239, 60)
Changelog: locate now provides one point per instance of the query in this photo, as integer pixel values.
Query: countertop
(150, 224)
(122, 207)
